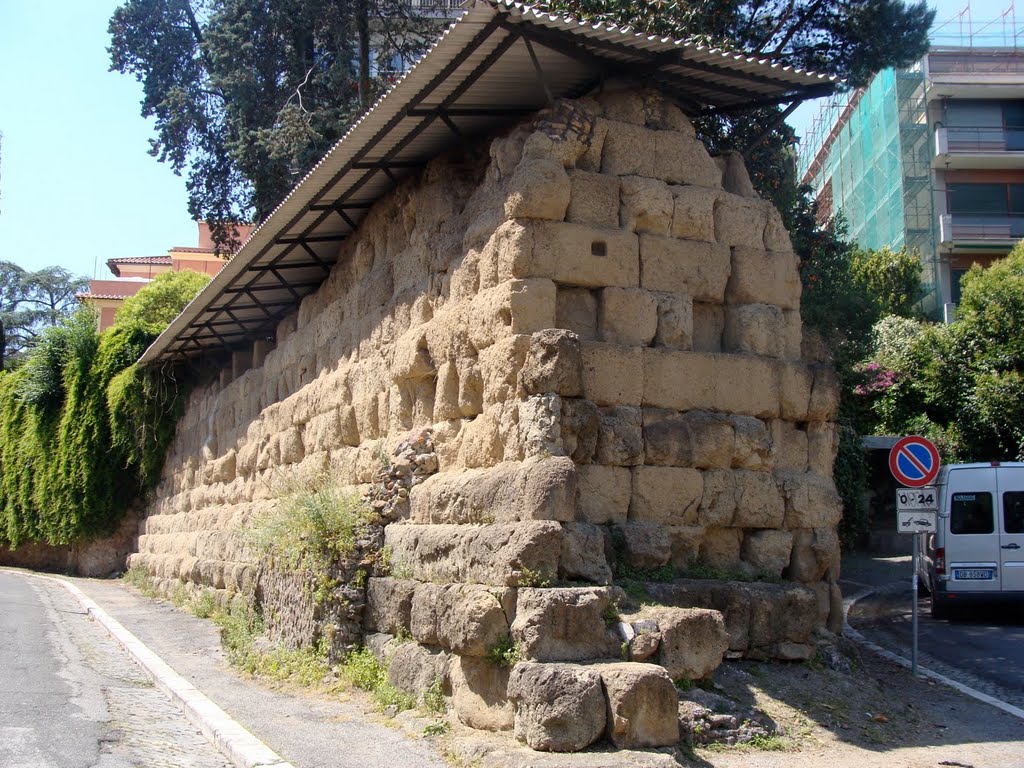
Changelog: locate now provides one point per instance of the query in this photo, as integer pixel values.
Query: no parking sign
(914, 461)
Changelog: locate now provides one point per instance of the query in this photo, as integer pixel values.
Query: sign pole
(913, 653)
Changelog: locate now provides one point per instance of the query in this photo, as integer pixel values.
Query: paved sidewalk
(307, 731)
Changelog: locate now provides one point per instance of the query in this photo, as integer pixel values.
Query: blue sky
(77, 186)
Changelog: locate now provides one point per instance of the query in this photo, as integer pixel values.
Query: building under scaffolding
(931, 157)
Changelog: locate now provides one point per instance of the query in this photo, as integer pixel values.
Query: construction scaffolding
(867, 154)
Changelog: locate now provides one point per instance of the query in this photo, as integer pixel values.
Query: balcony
(979, 147)
(980, 231)
(435, 9)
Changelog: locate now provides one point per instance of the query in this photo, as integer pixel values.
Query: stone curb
(857, 637)
(237, 744)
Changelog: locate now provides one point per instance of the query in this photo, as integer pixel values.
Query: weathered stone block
(579, 429)
(497, 554)
(693, 641)
(583, 555)
(595, 199)
(604, 493)
(791, 446)
(531, 303)
(627, 316)
(537, 489)
(643, 706)
(754, 448)
(576, 310)
(628, 150)
(620, 438)
(824, 399)
(388, 605)
(811, 500)
(694, 380)
(553, 364)
(644, 545)
(539, 427)
(720, 548)
(610, 373)
(539, 189)
(735, 178)
(571, 254)
(822, 445)
(413, 668)
(675, 320)
(718, 504)
(466, 619)
(693, 213)
(564, 624)
(669, 495)
(756, 329)
(558, 707)
(815, 555)
(480, 693)
(758, 501)
(696, 268)
(768, 552)
(646, 205)
(740, 221)
(694, 439)
(680, 159)
(708, 327)
(764, 277)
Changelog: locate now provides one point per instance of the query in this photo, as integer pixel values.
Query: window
(971, 513)
(1013, 512)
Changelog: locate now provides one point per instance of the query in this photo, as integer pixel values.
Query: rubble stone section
(596, 325)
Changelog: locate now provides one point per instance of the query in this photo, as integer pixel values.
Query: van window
(1013, 511)
(971, 513)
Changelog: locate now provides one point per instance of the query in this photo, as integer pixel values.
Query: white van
(977, 552)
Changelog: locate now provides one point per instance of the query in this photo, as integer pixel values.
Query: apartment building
(931, 156)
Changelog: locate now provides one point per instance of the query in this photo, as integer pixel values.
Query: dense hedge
(83, 431)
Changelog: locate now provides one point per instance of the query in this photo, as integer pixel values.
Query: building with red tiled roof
(132, 272)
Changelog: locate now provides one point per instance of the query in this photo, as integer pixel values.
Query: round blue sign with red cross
(914, 461)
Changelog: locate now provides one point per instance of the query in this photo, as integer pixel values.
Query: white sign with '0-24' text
(926, 498)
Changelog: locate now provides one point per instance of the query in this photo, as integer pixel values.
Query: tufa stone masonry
(559, 361)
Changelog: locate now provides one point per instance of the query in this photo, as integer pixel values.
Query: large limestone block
(514, 306)
(466, 619)
(791, 446)
(539, 426)
(480, 693)
(643, 545)
(811, 500)
(576, 310)
(822, 446)
(388, 605)
(537, 489)
(646, 205)
(627, 316)
(708, 327)
(693, 439)
(553, 364)
(531, 303)
(610, 373)
(581, 422)
(759, 503)
(414, 668)
(669, 495)
(720, 548)
(756, 329)
(718, 504)
(643, 706)
(764, 277)
(717, 382)
(735, 178)
(768, 552)
(680, 159)
(571, 254)
(604, 493)
(696, 268)
(693, 213)
(595, 199)
(824, 399)
(795, 383)
(675, 320)
(753, 448)
(558, 707)
(584, 554)
(693, 641)
(741, 221)
(500, 554)
(620, 437)
(628, 150)
(815, 555)
(564, 624)
(539, 189)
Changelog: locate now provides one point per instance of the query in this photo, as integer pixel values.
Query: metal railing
(996, 138)
(996, 227)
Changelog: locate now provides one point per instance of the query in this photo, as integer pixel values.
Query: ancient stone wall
(597, 326)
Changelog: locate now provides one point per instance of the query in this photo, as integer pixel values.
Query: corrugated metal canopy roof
(498, 63)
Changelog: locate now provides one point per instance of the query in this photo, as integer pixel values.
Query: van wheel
(940, 608)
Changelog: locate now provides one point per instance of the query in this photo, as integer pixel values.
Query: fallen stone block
(565, 624)
(480, 693)
(466, 619)
(642, 705)
(558, 707)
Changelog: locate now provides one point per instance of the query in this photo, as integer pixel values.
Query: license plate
(973, 574)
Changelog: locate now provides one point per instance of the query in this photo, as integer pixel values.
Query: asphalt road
(71, 697)
(981, 645)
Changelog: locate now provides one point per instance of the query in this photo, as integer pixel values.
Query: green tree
(158, 302)
(248, 94)
(892, 278)
(32, 301)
